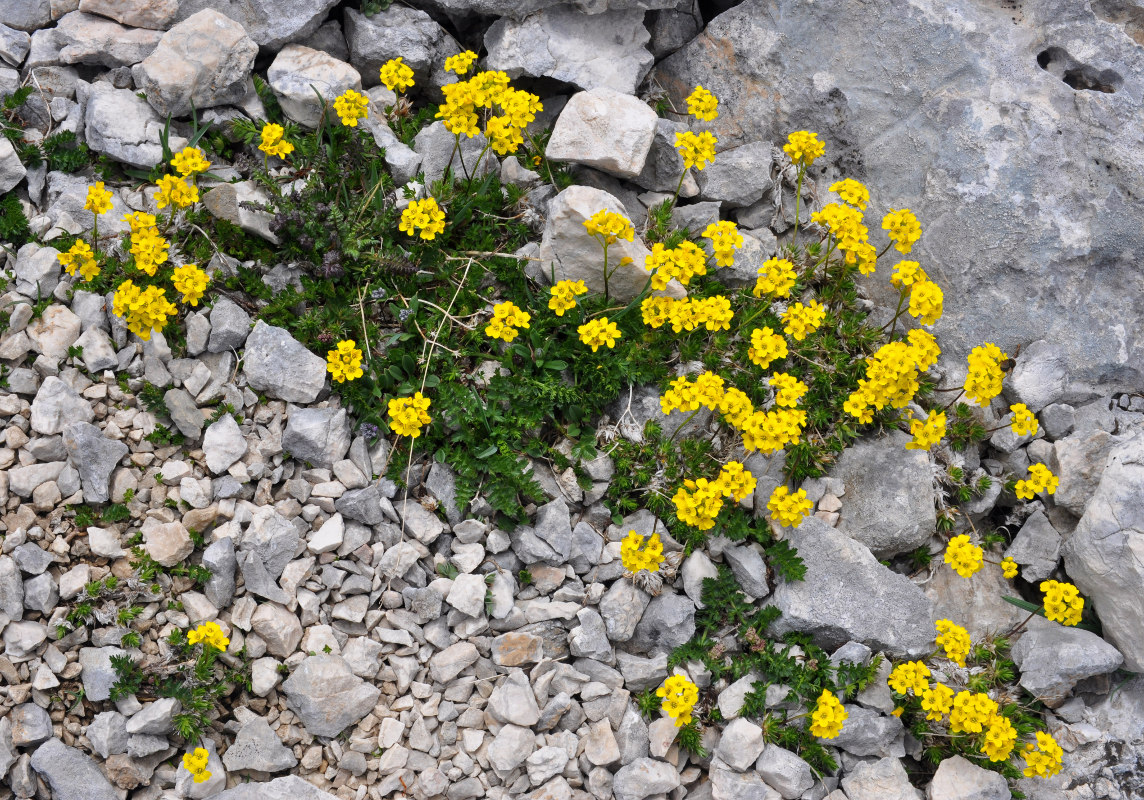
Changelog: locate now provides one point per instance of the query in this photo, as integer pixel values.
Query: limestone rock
(298, 71)
(270, 23)
(154, 14)
(227, 202)
(123, 126)
(71, 774)
(959, 779)
(327, 696)
(605, 129)
(94, 457)
(276, 363)
(88, 39)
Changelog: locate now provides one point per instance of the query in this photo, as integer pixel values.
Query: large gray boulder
(70, 773)
(410, 33)
(290, 787)
(327, 696)
(270, 23)
(278, 364)
(1048, 95)
(88, 39)
(848, 596)
(319, 436)
(604, 129)
(1053, 659)
(1104, 556)
(123, 126)
(94, 457)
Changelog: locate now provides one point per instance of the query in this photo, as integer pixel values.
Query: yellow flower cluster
(682, 262)
(272, 142)
(639, 552)
(1063, 602)
(196, 764)
(907, 273)
(954, 639)
(776, 278)
(703, 105)
(828, 716)
(707, 390)
(725, 240)
(964, 556)
(344, 361)
(926, 299)
(927, 432)
(191, 282)
(1043, 759)
(564, 295)
(852, 192)
(208, 633)
(98, 199)
(801, 320)
(771, 431)
(696, 149)
(851, 235)
(599, 332)
(352, 106)
(1024, 423)
(461, 62)
(398, 76)
(904, 229)
(610, 227)
(147, 246)
(983, 380)
(408, 414)
(1000, 738)
(507, 317)
(190, 161)
(937, 700)
(803, 148)
(766, 346)
(892, 375)
(789, 508)
(910, 676)
(81, 258)
(484, 90)
(1041, 479)
(788, 389)
(679, 696)
(971, 712)
(714, 313)
(737, 480)
(143, 310)
(698, 502)
(424, 215)
(175, 192)
(1009, 568)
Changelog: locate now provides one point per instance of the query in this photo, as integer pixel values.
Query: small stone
(959, 779)
(276, 363)
(784, 771)
(329, 537)
(71, 774)
(667, 623)
(327, 696)
(1053, 658)
(318, 436)
(622, 607)
(510, 747)
(108, 734)
(468, 594)
(885, 779)
(57, 405)
(514, 701)
(156, 718)
(168, 543)
(230, 326)
(96, 671)
(94, 457)
(31, 725)
(740, 744)
(279, 628)
(257, 747)
(643, 778)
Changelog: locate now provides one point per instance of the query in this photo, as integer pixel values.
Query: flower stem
(606, 273)
(797, 200)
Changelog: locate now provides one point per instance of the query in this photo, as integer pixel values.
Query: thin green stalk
(797, 200)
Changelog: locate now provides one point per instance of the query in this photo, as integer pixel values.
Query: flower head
(852, 192)
(610, 226)
(1000, 738)
(599, 332)
(1024, 423)
(98, 199)
(80, 258)
(272, 142)
(736, 480)
(1063, 602)
(408, 414)
(679, 696)
(936, 701)
(971, 712)
(196, 764)
(789, 509)
(398, 76)
(766, 346)
(1041, 479)
(344, 361)
(776, 278)
(703, 105)
(954, 639)
(564, 294)
(1044, 758)
(424, 216)
(1009, 568)
(191, 282)
(698, 503)
(983, 379)
(964, 556)
(209, 633)
(910, 676)
(352, 106)
(507, 317)
(828, 716)
(696, 149)
(175, 192)
(461, 62)
(926, 302)
(190, 161)
(801, 320)
(903, 227)
(143, 310)
(641, 552)
(803, 148)
(788, 389)
(725, 240)
(927, 432)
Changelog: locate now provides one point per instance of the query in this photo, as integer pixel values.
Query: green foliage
(964, 428)
(152, 399)
(148, 569)
(162, 435)
(447, 569)
(371, 7)
(13, 224)
(649, 704)
(128, 677)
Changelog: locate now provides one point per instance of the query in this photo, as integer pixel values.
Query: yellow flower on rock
(696, 149)
(351, 106)
(507, 317)
(641, 552)
(1024, 423)
(564, 295)
(851, 235)
(682, 262)
(1009, 568)
(954, 639)
(599, 332)
(766, 346)
(964, 556)
(852, 192)
(175, 192)
(698, 503)
(503, 135)
(703, 105)
(459, 63)
(196, 764)
(80, 258)
(725, 240)
(801, 320)
(828, 716)
(926, 302)
(803, 148)
(149, 249)
(1041, 479)
(907, 273)
(408, 414)
(344, 361)
(776, 278)
(736, 480)
(736, 407)
(139, 221)
(971, 712)
(398, 76)
(98, 199)
(208, 633)
(771, 431)
(191, 282)
(983, 379)
(610, 226)
(937, 700)
(143, 310)
(424, 216)
(1044, 758)
(788, 389)
(1000, 738)
(190, 161)
(909, 677)
(1063, 602)
(904, 229)
(927, 432)
(789, 509)
(656, 310)
(679, 696)
(272, 142)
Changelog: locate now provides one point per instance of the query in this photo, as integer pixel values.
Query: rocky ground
(396, 647)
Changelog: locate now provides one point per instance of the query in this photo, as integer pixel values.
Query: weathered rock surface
(605, 129)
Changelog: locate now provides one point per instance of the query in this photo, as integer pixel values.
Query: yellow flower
(191, 282)
(1044, 758)
(800, 320)
(971, 712)
(852, 192)
(910, 676)
(424, 215)
(696, 149)
(503, 135)
(927, 432)
(81, 258)
(398, 76)
(827, 717)
(1041, 479)
(507, 317)
(196, 764)
(703, 105)
(98, 199)
(598, 332)
(1023, 422)
(964, 556)
(352, 106)
(408, 414)
(139, 221)
(189, 161)
(907, 273)
(564, 295)
(679, 696)
(766, 346)
(954, 639)
(175, 191)
(788, 389)
(736, 480)
(926, 302)
(272, 142)
(983, 379)
(610, 227)
(1009, 568)
(143, 310)
(682, 262)
(1063, 602)
(776, 278)
(209, 633)
(149, 249)
(803, 148)
(936, 701)
(459, 63)
(789, 509)
(903, 228)
(641, 553)
(1000, 737)
(698, 503)
(725, 240)
(344, 361)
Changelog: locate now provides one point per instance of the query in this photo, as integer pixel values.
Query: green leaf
(555, 364)
(488, 451)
